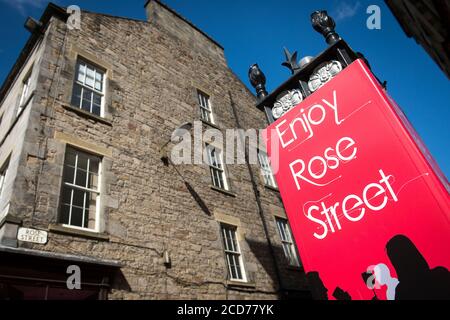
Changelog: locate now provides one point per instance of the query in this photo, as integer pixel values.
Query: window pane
(287, 241)
(87, 209)
(98, 81)
(70, 158)
(286, 250)
(231, 267)
(96, 104)
(69, 174)
(211, 153)
(96, 110)
(86, 219)
(233, 264)
(219, 159)
(77, 217)
(24, 94)
(215, 162)
(78, 198)
(202, 100)
(90, 74)
(81, 72)
(213, 157)
(87, 99)
(224, 238)
(266, 169)
(66, 195)
(233, 240)
(238, 268)
(214, 178)
(64, 214)
(205, 115)
(81, 178)
(82, 161)
(287, 231)
(76, 95)
(230, 240)
(281, 230)
(93, 165)
(205, 107)
(220, 180)
(97, 99)
(206, 102)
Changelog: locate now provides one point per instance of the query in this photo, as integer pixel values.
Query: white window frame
(287, 241)
(217, 171)
(3, 174)
(204, 101)
(25, 92)
(235, 251)
(81, 61)
(85, 189)
(266, 170)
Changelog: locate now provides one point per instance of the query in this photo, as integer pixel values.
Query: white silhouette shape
(383, 276)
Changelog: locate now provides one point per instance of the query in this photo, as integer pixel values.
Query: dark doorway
(41, 291)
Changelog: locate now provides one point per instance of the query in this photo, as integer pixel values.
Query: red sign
(369, 209)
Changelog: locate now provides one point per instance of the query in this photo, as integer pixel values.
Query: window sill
(271, 188)
(56, 228)
(223, 191)
(238, 284)
(210, 124)
(86, 114)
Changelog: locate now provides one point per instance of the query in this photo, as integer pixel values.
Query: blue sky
(256, 31)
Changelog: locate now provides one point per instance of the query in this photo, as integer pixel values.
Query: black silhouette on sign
(340, 294)
(318, 290)
(369, 280)
(416, 280)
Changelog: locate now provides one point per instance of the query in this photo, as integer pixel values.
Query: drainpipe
(280, 290)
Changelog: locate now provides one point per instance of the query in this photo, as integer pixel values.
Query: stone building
(84, 115)
(427, 22)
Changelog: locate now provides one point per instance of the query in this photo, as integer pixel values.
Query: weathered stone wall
(154, 70)
(14, 123)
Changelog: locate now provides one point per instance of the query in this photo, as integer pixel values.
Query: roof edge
(52, 10)
(185, 20)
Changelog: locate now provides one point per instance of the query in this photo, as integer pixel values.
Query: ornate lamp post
(258, 81)
(325, 25)
(308, 75)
